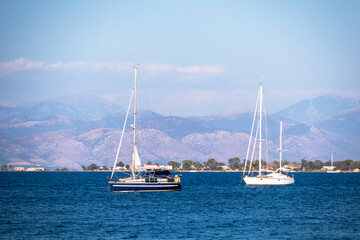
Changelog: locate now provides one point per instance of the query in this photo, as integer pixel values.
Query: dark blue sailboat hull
(143, 187)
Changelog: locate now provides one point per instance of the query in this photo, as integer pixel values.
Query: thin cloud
(23, 64)
(18, 65)
(204, 69)
(68, 65)
(157, 68)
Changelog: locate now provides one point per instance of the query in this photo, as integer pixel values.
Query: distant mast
(260, 120)
(134, 128)
(280, 149)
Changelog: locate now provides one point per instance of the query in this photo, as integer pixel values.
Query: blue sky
(196, 57)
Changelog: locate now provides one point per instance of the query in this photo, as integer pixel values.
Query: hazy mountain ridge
(76, 107)
(54, 135)
(345, 122)
(311, 111)
(320, 144)
(178, 127)
(242, 122)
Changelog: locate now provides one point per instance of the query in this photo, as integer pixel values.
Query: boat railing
(151, 179)
(114, 178)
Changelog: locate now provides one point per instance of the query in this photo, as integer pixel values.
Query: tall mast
(332, 160)
(134, 128)
(280, 149)
(260, 120)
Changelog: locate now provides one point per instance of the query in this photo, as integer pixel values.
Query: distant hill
(344, 123)
(116, 120)
(76, 107)
(20, 127)
(311, 111)
(69, 132)
(242, 122)
(8, 114)
(230, 121)
(178, 127)
(91, 107)
(48, 109)
(319, 144)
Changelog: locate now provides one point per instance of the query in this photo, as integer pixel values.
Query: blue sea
(79, 205)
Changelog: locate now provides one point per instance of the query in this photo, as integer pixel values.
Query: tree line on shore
(344, 165)
(234, 164)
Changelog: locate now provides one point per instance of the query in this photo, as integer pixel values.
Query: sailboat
(139, 180)
(331, 168)
(275, 178)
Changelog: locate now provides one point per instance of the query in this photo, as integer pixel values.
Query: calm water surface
(78, 205)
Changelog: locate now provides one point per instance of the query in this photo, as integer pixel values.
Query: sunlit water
(75, 205)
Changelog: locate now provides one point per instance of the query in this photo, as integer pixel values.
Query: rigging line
(140, 111)
(251, 133)
(144, 92)
(122, 134)
(282, 141)
(266, 137)
(283, 133)
(269, 101)
(269, 129)
(139, 119)
(254, 147)
(139, 132)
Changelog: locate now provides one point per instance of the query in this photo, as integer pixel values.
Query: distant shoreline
(102, 171)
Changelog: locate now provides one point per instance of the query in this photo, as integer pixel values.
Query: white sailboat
(332, 167)
(156, 180)
(275, 178)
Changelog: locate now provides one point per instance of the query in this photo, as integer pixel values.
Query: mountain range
(77, 130)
